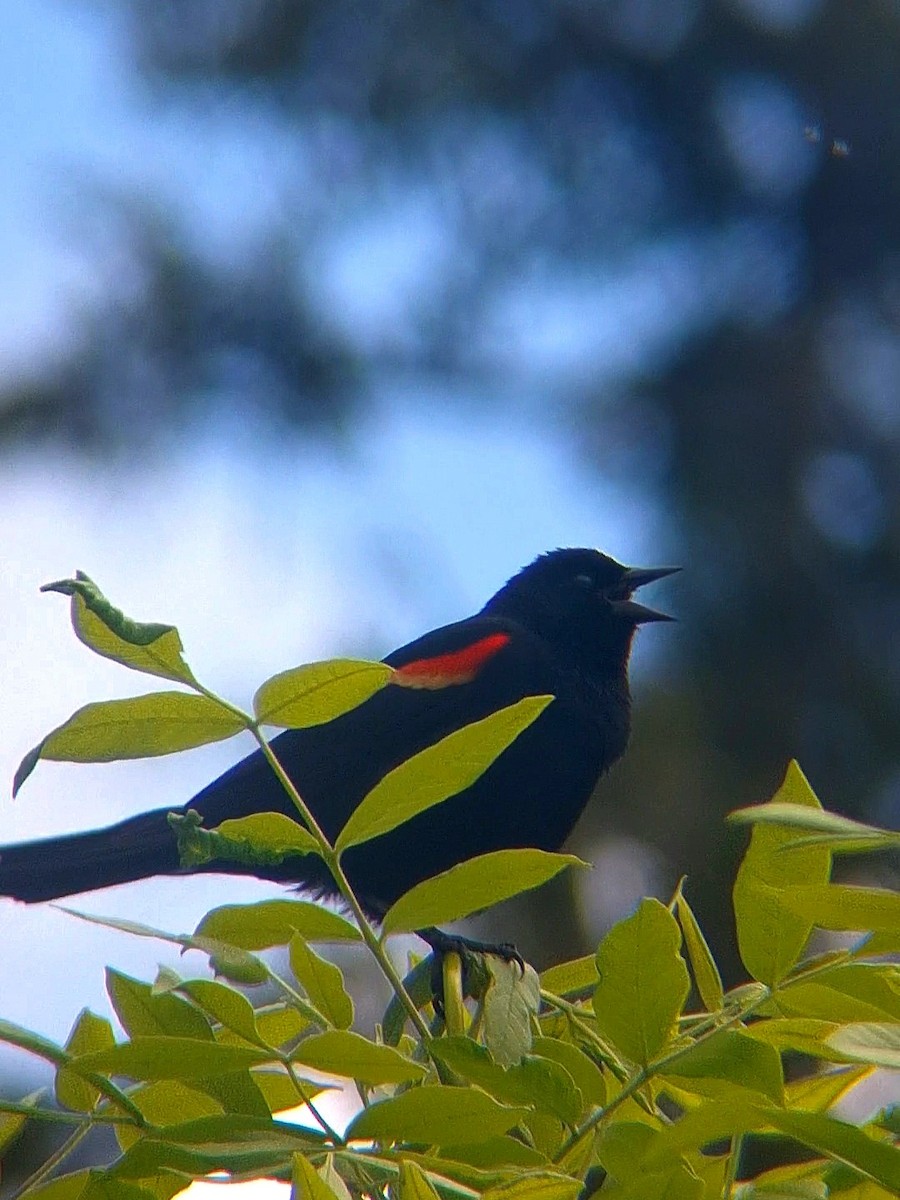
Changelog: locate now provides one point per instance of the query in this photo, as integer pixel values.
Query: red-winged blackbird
(563, 625)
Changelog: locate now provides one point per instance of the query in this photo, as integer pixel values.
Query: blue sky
(266, 551)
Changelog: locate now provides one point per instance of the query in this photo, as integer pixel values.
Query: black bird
(563, 625)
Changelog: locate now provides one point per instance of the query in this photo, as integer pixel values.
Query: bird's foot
(454, 943)
(472, 952)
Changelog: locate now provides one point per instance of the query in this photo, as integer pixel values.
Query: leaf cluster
(630, 1073)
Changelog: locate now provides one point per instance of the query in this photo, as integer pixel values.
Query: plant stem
(332, 861)
(732, 1166)
(59, 1155)
(301, 1091)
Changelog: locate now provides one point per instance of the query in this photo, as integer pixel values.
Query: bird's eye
(584, 581)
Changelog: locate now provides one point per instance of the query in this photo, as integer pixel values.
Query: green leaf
(535, 1081)
(280, 1024)
(153, 649)
(15, 1035)
(706, 973)
(263, 839)
(235, 965)
(143, 1012)
(710, 1122)
(225, 1005)
(12, 1124)
(622, 1146)
(414, 1183)
(98, 1185)
(64, 1187)
(229, 1143)
(643, 982)
(819, 1092)
(869, 1042)
(318, 692)
(438, 772)
(840, 906)
(848, 993)
(473, 885)
(341, 1052)
(512, 999)
(139, 727)
(784, 1189)
(802, 1034)
(273, 923)
(831, 828)
(306, 1183)
(877, 1160)
(435, 1115)
(496, 1153)
(323, 983)
(731, 1057)
(565, 979)
(679, 1182)
(237, 1092)
(330, 1174)
(280, 1092)
(159, 1057)
(586, 1074)
(454, 1177)
(543, 1185)
(770, 936)
(167, 1102)
(89, 1032)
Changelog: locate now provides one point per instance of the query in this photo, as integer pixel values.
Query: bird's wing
(444, 680)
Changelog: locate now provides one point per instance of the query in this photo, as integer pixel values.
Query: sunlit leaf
(870, 1042)
(139, 727)
(540, 1185)
(770, 936)
(307, 1184)
(15, 1035)
(323, 983)
(473, 885)
(224, 1005)
(341, 1052)
(273, 923)
(153, 649)
(438, 772)
(89, 1032)
(840, 906)
(159, 1057)
(262, 839)
(706, 973)
(732, 1057)
(830, 828)
(414, 1183)
(843, 1142)
(643, 982)
(817, 1093)
(802, 1034)
(167, 1102)
(435, 1115)
(584, 1071)
(533, 1081)
(510, 1003)
(144, 1012)
(575, 977)
(318, 692)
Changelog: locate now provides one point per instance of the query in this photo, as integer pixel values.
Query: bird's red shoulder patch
(459, 666)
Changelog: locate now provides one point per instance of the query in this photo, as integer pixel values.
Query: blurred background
(321, 318)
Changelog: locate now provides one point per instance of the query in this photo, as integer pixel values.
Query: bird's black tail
(81, 862)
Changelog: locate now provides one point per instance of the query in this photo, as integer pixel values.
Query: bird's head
(581, 601)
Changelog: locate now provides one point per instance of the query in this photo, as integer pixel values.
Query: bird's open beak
(634, 578)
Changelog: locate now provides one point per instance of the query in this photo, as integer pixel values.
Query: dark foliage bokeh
(669, 226)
